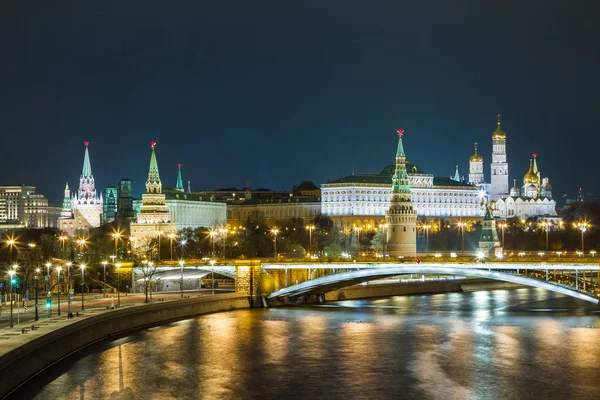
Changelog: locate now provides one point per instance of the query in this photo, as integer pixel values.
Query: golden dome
(530, 177)
(475, 157)
(499, 134)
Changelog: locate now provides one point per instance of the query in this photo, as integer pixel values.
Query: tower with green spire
(179, 185)
(537, 171)
(154, 217)
(401, 218)
(67, 207)
(489, 243)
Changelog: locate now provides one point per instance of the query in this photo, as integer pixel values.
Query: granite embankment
(26, 355)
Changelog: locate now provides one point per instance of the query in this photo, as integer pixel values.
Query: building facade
(22, 207)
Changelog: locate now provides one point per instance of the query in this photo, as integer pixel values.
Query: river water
(516, 344)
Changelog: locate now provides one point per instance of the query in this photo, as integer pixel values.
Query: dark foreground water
(520, 344)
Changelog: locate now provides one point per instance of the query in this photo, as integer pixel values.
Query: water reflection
(488, 345)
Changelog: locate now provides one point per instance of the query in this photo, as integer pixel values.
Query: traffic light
(48, 304)
(13, 281)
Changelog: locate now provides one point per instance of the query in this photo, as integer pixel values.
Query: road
(91, 302)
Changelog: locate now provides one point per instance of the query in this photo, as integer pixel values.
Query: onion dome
(499, 134)
(475, 157)
(530, 177)
(514, 191)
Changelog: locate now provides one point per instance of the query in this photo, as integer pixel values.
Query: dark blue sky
(273, 92)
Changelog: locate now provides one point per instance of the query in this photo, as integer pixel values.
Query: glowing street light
(119, 283)
(82, 266)
(104, 263)
(503, 226)
(11, 274)
(212, 235)
(58, 269)
(275, 231)
(69, 314)
(11, 243)
(583, 227)
(427, 227)
(116, 235)
(358, 229)
(171, 236)
(462, 225)
(212, 264)
(181, 262)
(62, 239)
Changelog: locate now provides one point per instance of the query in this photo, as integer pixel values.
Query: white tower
(401, 218)
(475, 168)
(499, 166)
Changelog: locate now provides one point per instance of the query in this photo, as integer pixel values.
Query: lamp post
(116, 235)
(58, 269)
(37, 275)
(427, 227)
(224, 231)
(82, 266)
(11, 274)
(11, 243)
(503, 226)
(69, 313)
(357, 229)
(171, 236)
(310, 228)
(462, 226)
(48, 277)
(118, 284)
(62, 239)
(274, 232)
(181, 262)
(159, 234)
(81, 242)
(104, 281)
(212, 240)
(212, 264)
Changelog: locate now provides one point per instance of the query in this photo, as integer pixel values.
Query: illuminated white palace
(368, 196)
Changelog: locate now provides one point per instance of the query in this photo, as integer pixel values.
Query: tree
(377, 241)
(333, 250)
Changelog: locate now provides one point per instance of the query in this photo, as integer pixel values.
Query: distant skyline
(275, 93)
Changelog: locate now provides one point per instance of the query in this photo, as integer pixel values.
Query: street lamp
(504, 225)
(171, 236)
(118, 284)
(582, 226)
(37, 275)
(212, 264)
(11, 274)
(63, 238)
(116, 235)
(310, 228)
(181, 262)
(58, 269)
(104, 281)
(11, 243)
(212, 235)
(82, 266)
(462, 226)
(224, 231)
(427, 227)
(48, 276)
(81, 242)
(69, 314)
(275, 231)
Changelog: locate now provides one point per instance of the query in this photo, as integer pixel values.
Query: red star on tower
(86, 142)
(400, 132)
(153, 143)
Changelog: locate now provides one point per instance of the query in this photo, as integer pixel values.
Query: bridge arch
(344, 279)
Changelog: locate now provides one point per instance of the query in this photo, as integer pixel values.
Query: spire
(153, 184)
(535, 167)
(400, 178)
(456, 175)
(499, 134)
(189, 187)
(87, 166)
(179, 185)
(67, 206)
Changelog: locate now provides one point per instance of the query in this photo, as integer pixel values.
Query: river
(505, 344)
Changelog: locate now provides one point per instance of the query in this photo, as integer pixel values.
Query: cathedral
(83, 210)
(532, 199)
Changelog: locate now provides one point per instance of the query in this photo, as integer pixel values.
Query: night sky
(275, 92)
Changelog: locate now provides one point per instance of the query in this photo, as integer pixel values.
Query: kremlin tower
(475, 168)
(179, 185)
(86, 207)
(154, 215)
(401, 218)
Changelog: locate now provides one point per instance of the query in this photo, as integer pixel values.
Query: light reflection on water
(482, 345)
